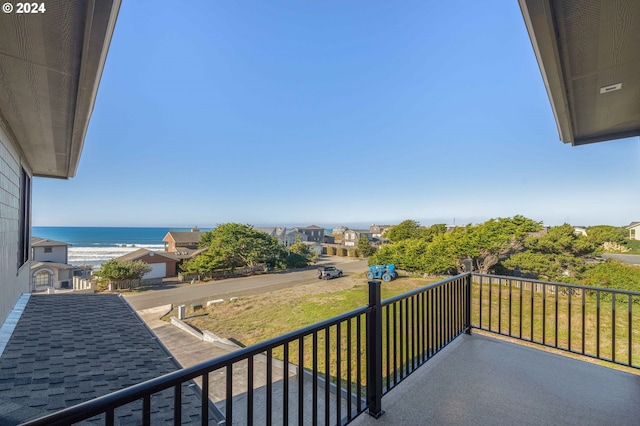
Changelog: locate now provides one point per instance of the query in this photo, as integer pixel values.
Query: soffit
(583, 46)
(50, 68)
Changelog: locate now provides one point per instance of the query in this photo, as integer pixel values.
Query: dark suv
(328, 272)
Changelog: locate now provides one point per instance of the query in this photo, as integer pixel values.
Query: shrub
(342, 251)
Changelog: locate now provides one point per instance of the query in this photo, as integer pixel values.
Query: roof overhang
(589, 56)
(50, 68)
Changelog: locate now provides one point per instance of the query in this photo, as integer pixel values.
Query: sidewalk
(189, 350)
(185, 348)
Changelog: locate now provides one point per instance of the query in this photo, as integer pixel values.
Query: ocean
(96, 245)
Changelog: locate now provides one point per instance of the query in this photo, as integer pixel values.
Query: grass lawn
(254, 319)
(251, 320)
(575, 322)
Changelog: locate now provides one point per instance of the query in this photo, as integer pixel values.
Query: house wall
(171, 245)
(171, 265)
(634, 232)
(14, 279)
(315, 235)
(58, 277)
(291, 238)
(350, 238)
(58, 254)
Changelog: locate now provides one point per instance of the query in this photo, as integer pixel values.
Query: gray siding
(13, 282)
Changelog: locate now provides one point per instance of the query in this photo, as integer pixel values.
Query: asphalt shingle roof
(134, 255)
(43, 242)
(69, 348)
(184, 237)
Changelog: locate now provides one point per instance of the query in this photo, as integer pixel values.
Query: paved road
(633, 259)
(185, 293)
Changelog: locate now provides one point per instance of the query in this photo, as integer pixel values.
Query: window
(24, 218)
(48, 249)
(42, 278)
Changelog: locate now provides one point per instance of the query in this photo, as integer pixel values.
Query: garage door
(158, 270)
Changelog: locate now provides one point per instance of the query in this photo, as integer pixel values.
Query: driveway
(633, 259)
(241, 286)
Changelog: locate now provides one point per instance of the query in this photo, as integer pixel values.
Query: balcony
(436, 354)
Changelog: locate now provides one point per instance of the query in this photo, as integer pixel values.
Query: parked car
(328, 272)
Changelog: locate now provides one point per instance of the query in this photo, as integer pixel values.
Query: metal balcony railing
(590, 321)
(332, 371)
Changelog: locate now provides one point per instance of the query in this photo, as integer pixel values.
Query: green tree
(364, 246)
(432, 250)
(428, 234)
(598, 235)
(303, 250)
(122, 270)
(548, 266)
(489, 242)
(614, 274)
(561, 239)
(234, 245)
(557, 255)
(404, 230)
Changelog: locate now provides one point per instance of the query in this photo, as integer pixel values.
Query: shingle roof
(56, 265)
(43, 242)
(267, 230)
(69, 348)
(143, 252)
(187, 253)
(184, 237)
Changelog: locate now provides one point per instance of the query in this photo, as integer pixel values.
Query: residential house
(314, 233)
(339, 230)
(291, 236)
(634, 230)
(51, 63)
(352, 236)
(47, 91)
(314, 247)
(44, 250)
(580, 230)
(277, 232)
(182, 243)
(377, 230)
(163, 264)
(62, 64)
(49, 268)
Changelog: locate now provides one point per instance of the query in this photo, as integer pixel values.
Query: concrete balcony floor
(479, 380)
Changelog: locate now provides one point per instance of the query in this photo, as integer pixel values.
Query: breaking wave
(96, 256)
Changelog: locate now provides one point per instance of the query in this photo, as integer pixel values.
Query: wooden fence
(223, 273)
(115, 285)
(82, 284)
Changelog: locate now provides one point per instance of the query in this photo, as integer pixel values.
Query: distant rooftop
(44, 242)
(184, 237)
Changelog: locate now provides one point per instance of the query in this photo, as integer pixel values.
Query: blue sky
(330, 112)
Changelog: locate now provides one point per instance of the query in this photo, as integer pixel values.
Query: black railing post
(374, 351)
(467, 303)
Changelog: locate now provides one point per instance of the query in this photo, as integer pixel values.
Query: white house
(291, 235)
(634, 230)
(580, 230)
(277, 232)
(352, 236)
(49, 266)
(44, 250)
(47, 91)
